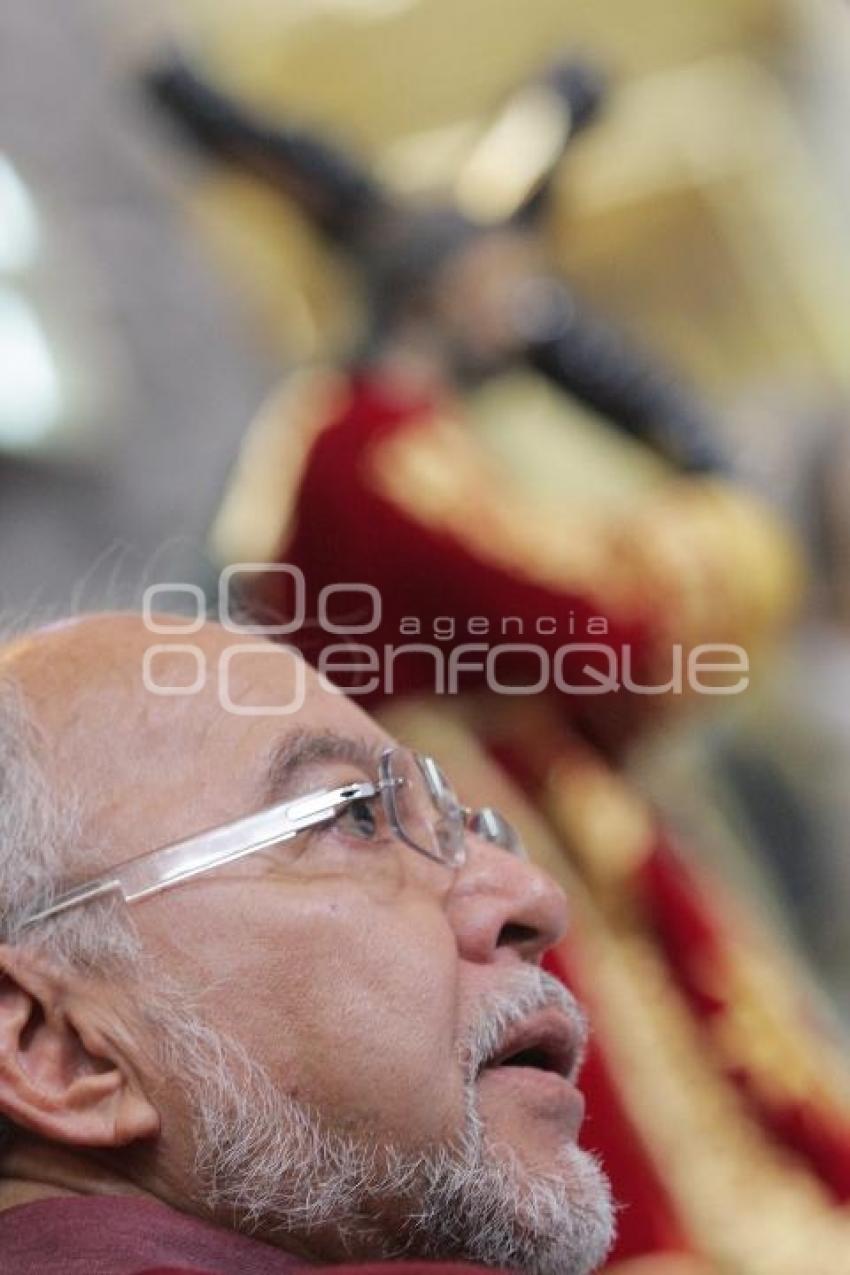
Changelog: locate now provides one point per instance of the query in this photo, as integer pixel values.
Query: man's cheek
(383, 1051)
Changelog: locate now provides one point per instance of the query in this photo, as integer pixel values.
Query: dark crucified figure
(476, 296)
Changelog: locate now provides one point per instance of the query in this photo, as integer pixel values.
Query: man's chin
(541, 1216)
(536, 1113)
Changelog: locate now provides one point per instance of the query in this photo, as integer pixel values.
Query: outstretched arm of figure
(335, 192)
(595, 362)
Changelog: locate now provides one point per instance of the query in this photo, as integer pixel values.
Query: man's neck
(14, 1191)
(31, 1172)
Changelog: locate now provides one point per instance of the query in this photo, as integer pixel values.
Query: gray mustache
(525, 992)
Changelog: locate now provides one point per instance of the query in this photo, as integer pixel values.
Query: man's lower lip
(546, 1089)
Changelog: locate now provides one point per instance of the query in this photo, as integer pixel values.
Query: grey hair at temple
(40, 847)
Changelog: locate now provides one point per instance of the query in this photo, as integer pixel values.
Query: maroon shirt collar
(126, 1235)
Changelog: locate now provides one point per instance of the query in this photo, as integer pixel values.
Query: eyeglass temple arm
(173, 864)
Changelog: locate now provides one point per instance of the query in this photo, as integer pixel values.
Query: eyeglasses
(418, 801)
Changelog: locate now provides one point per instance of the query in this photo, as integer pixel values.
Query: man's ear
(61, 1076)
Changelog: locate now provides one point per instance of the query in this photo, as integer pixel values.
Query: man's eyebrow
(305, 748)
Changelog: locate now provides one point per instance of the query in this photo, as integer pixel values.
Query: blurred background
(708, 206)
(153, 300)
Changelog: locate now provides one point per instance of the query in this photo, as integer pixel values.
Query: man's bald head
(178, 726)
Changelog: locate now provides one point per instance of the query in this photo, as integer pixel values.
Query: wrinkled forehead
(160, 735)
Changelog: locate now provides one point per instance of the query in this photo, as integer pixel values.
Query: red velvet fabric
(346, 530)
(697, 933)
(647, 1220)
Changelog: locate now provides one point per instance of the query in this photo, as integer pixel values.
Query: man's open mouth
(546, 1041)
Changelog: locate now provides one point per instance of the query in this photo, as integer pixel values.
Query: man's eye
(360, 819)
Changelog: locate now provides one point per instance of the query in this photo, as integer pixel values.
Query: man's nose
(502, 906)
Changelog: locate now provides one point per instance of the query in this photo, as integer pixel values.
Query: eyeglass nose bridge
(451, 819)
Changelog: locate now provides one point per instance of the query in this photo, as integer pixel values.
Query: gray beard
(270, 1165)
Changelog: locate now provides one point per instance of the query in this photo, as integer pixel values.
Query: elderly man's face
(360, 976)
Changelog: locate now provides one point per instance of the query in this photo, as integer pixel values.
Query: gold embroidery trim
(709, 562)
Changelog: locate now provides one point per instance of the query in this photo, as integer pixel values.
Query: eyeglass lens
(492, 826)
(423, 806)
